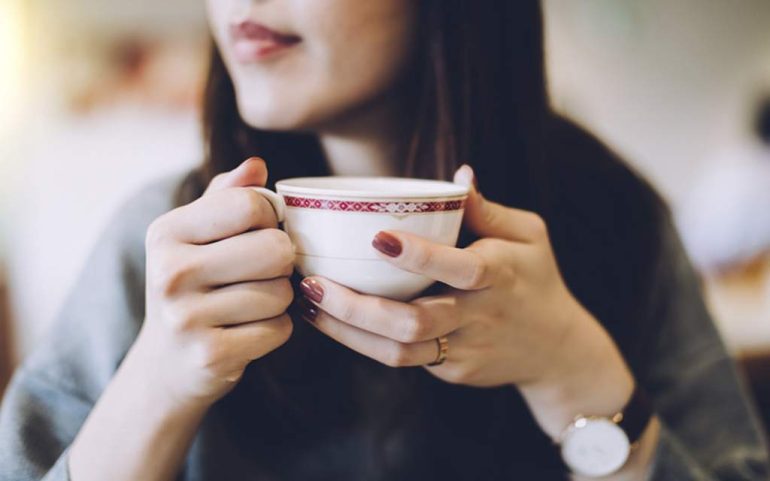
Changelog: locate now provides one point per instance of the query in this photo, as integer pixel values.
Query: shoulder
(126, 229)
(152, 200)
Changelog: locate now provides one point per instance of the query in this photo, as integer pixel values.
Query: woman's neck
(370, 142)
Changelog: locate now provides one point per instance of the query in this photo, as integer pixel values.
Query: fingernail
(243, 164)
(474, 180)
(463, 175)
(247, 163)
(387, 244)
(308, 310)
(312, 288)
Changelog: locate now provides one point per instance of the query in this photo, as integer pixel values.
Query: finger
(460, 268)
(245, 302)
(257, 255)
(412, 322)
(385, 350)
(490, 219)
(251, 172)
(217, 216)
(255, 339)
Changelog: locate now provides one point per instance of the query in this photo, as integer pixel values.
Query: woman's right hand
(217, 288)
(217, 294)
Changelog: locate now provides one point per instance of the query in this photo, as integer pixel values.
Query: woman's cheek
(356, 52)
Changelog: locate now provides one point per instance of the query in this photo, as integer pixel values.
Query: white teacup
(332, 221)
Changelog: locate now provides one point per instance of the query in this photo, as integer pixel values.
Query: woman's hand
(216, 294)
(508, 317)
(217, 287)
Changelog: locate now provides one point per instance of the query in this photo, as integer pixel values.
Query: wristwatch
(597, 446)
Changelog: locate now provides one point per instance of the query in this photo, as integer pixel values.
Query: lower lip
(247, 51)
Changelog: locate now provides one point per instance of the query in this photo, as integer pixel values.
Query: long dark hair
(481, 98)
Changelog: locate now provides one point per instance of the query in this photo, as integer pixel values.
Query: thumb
(490, 219)
(251, 172)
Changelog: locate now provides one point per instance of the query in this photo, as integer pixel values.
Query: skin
(508, 316)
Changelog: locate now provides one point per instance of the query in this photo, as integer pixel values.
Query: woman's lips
(253, 41)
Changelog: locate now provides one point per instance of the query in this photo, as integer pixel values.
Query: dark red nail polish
(387, 244)
(308, 310)
(312, 288)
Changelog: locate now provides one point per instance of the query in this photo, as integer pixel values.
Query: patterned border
(392, 207)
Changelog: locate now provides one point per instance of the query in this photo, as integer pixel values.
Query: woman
(567, 295)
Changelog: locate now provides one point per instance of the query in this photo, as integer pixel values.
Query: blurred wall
(87, 131)
(12, 77)
(6, 352)
(668, 84)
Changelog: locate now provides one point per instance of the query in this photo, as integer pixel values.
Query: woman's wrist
(144, 377)
(135, 430)
(587, 375)
(156, 378)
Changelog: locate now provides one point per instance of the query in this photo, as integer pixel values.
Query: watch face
(595, 447)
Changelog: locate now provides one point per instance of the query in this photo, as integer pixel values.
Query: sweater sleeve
(709, 428)
(53, 391)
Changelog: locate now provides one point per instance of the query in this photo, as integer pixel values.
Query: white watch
(594, 447)
(597, 446)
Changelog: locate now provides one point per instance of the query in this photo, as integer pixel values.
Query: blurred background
(97, 97)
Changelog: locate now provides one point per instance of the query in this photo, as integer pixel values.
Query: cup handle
(276, 200)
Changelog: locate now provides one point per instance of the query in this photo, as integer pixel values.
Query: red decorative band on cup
(384, 207)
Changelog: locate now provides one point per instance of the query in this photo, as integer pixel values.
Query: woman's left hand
(508, 316)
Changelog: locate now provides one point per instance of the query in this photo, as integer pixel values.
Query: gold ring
(443, 348)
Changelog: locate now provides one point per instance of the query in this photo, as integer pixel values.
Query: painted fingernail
(308, 310)
(312, 288)
(387, 244)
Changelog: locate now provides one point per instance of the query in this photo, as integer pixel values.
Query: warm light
(11, 78)
(11, 57)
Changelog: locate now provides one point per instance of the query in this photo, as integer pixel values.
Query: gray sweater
(709, 428)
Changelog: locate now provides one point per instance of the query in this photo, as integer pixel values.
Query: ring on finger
(443, 349)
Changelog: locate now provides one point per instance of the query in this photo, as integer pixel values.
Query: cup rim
(408, 188)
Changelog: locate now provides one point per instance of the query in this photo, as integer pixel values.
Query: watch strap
(636, 415)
